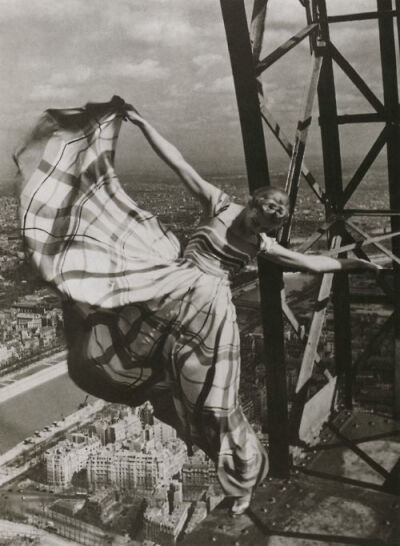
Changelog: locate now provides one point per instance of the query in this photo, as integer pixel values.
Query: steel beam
(294, 174)
(356, 79)
(316, 236)
(270, 275)
(360, 244)
(284, 48)
(334, 188)
(257, 27)
(367, 212)
(317, 323)
(398, 20)
(380, 247)
(283, 140)
(365, 165)
(365, 16)
(344, 119)
(360, 253)
(391, 102)
(241, 57)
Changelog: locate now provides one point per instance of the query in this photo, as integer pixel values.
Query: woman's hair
(271, 200)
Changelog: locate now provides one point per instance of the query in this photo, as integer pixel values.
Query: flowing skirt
(141, 322)
(180, 351)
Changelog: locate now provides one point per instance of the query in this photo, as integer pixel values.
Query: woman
(230, 236)
(142, 321)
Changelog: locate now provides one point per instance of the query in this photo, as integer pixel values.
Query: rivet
(271, 500)
(245, 532)
(283, 488)
(287, 505)
(236, 543)
(387, 522)
(222, 527)
(265, 509)
(213, 539)
(273, 523)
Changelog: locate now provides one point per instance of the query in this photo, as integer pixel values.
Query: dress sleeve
(220, 201)
(266, 243)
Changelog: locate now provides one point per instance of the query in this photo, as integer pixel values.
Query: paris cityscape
(76, 468)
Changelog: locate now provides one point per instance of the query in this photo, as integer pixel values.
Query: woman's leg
(204, 357)
(241, 460)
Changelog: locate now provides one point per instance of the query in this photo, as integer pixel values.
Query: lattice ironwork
(339, 228)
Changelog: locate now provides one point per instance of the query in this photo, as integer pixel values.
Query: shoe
(240, 505)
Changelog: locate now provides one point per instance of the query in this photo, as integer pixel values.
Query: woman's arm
(315, 263)
(205, 192)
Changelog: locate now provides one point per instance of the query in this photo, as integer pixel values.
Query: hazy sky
(169, 58)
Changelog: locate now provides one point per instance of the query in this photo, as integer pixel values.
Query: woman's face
(267, 214)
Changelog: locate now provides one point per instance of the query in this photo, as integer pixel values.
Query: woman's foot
(240, 505)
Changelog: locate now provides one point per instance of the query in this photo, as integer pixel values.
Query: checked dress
(143, 320)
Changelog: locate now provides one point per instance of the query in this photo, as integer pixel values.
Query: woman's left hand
(366, 265)
(134, 116)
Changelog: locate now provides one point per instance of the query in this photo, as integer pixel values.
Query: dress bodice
(212, 250)
(209, 249)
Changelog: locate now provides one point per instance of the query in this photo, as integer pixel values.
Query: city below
(77, 470)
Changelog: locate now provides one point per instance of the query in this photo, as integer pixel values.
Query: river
(36, 408)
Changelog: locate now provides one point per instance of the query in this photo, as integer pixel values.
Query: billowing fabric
(142, 320)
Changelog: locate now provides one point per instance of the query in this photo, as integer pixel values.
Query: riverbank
(33, 380)
(31, 450)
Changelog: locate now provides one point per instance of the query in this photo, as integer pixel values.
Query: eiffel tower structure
(313, 438)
